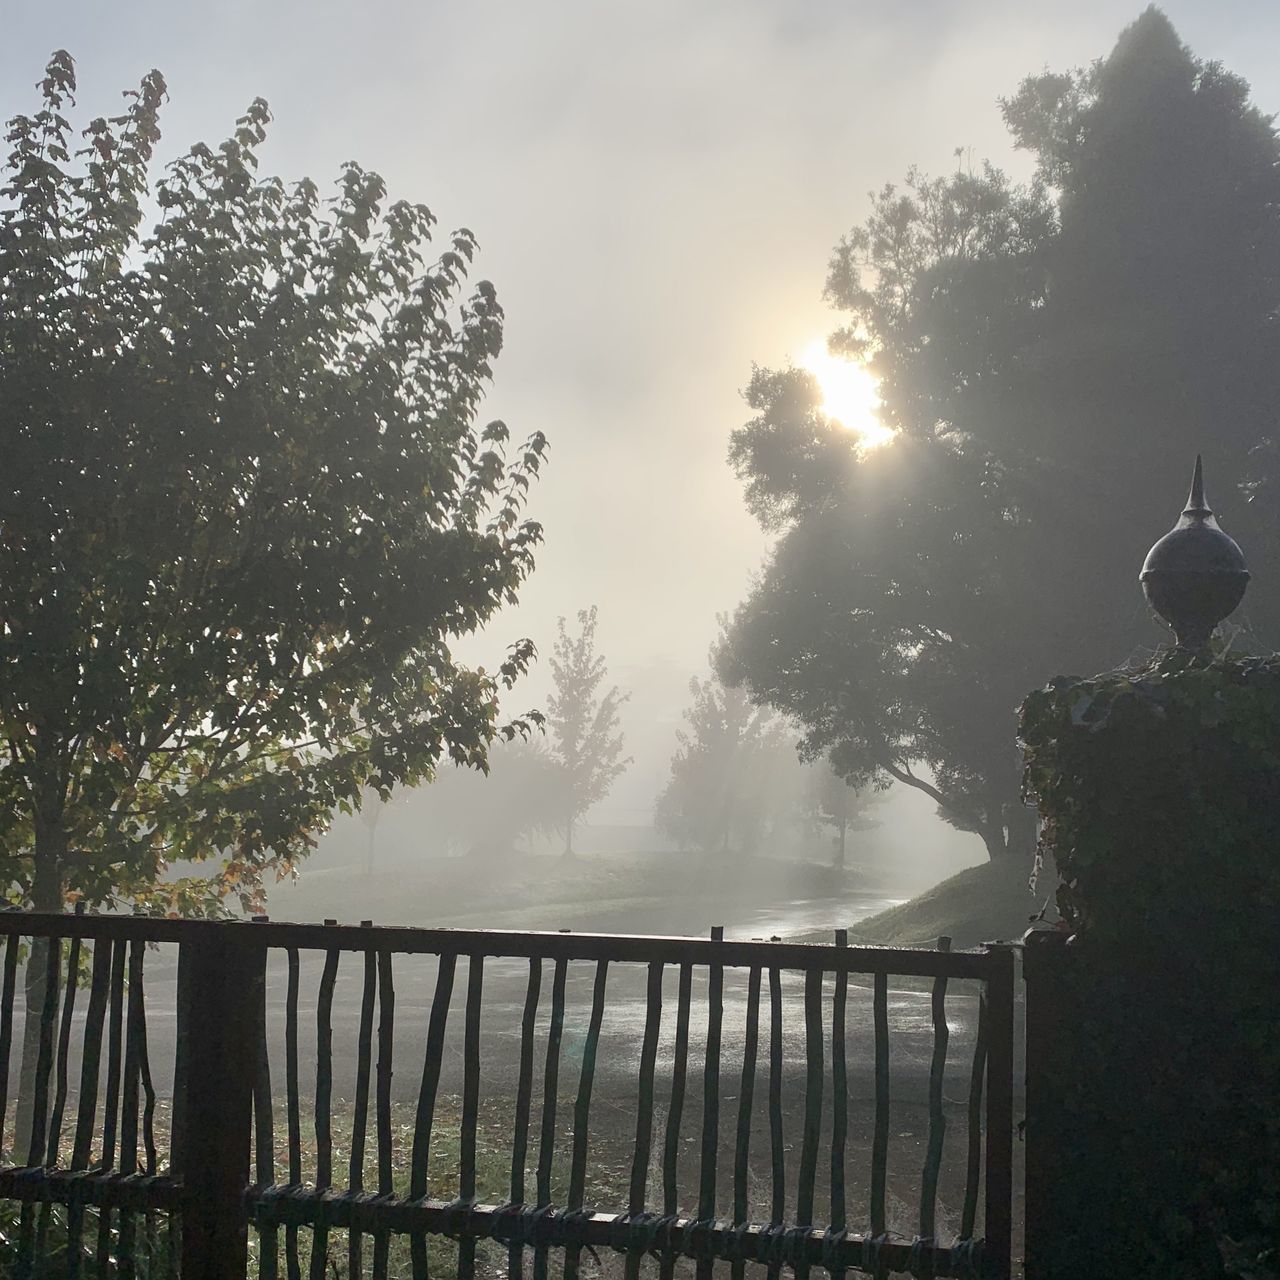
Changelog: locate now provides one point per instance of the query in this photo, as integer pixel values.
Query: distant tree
(372, 808)
(246, 503)
(586, 741)
(730, 772)
(469, 812)
(833, 800)
(1051, 357)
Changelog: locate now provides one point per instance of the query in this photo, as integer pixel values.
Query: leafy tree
(486, 814)
(246, 505)
(586, 741)
(1051, 357)
(841, 803)
(730, 774)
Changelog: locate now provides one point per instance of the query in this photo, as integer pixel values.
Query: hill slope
(986, 903)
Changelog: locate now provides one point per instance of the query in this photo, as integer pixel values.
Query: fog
(656, 189)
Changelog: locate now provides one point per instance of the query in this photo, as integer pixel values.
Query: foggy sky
(656, 187)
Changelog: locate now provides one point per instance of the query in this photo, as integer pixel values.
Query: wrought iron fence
(690, 1103)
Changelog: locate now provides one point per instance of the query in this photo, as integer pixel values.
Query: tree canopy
(586, 742)
(247, 505)
(1051, 357)
(733, 774)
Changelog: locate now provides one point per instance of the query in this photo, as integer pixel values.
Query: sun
(849, 395)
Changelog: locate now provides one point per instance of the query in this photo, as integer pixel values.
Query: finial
(1195, 575)
(1196, 504)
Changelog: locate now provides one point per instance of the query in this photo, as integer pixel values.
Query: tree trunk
(840, 844)
(568, 839)
(46, 895)
(1013, 835)
(997, 845)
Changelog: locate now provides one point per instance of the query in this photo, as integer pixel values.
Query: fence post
(1049, 1023)
(221, 976)
(999, 1155)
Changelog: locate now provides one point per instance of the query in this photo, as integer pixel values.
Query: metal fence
(268, 1098)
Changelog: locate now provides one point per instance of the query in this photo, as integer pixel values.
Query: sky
(656, 188)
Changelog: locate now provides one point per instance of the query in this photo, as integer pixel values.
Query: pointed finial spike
(1196, 502)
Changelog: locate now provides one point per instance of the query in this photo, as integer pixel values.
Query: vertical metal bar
(839, 1095)
(148, 1114)
(644, 1105)
(746, 1097)
(324, 1107)
(812, 1097)
(87, 1103)
(814, 1073)
(778, 1199)
(44, 1059)
(582, 1112)
(91, 1054)
(148, 1086)
(221, 972)
(550, 1089)
(675, 1110)
(880, 1134)
(999, 1189)
(111, 1112)
(937, 1116)
(524, 1082)
(54, 1147)
(524, 1096)
(420, 1156)
(711, 1098)
(386, 1040)
(129, 1106)
(360, 1114)
(264, 1134)
(53, 1141)
(973, 1165)
(293, 1267)
(470, 1108)
(7, 997)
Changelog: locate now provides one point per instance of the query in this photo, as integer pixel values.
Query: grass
(987, 903)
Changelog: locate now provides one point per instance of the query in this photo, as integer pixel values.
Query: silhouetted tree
(586, 741)
(732, 774)
(1051, 356)
(246, 503)
(842, 803)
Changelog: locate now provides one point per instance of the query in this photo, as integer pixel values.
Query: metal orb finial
(1194, 577)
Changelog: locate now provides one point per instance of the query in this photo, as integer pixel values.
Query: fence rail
(668, 1031)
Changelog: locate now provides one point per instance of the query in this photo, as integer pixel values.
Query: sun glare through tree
(849, 394)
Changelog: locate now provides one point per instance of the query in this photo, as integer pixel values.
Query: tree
(836, 801)
(731, 772)
(246, 505)
(586, 741)
(486, 814)
(1051, 358)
